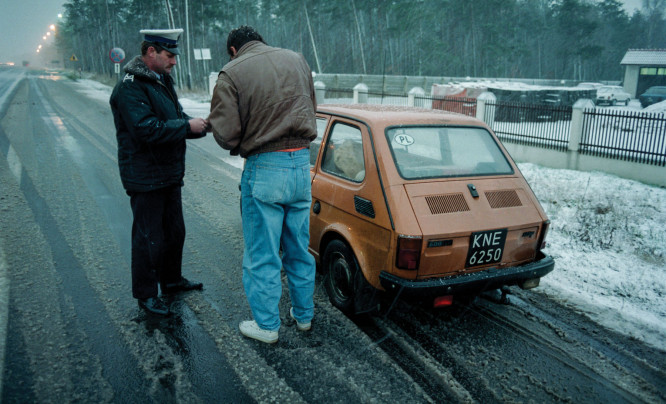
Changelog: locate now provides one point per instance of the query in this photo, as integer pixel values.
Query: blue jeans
(276, 197)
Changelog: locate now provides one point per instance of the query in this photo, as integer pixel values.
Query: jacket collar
(137, 67)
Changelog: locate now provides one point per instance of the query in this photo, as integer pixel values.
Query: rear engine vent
(503, 199)
(439, 204)
(364, 206)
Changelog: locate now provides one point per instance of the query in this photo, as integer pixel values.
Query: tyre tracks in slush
(524, 351)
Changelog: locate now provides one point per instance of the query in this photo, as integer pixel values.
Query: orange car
(421, 203)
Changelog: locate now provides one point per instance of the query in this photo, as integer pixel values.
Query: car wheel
(339, 273)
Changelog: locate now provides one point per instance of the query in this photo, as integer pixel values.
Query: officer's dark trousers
(158, 235)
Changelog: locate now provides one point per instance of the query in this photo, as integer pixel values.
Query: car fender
(371, 263)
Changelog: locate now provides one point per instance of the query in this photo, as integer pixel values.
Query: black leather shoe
(182, 286)
(154, 305)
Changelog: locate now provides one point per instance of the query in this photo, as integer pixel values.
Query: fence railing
(531, 125)
(626, 135)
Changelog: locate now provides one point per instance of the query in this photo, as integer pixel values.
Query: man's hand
(198, 125)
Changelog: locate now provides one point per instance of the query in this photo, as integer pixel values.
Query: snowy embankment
(608, 238)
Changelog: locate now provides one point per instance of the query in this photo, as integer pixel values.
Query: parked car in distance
(424, 204)
(612, 95)
(652, 95)
(553, 109)
(590, 85)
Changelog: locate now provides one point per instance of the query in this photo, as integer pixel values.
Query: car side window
(316, 144)
(343, 155)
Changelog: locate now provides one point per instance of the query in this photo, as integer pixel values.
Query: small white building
(643, 68)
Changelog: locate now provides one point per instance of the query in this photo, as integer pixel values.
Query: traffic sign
(117, 55)
(202, 54)
(74, 58)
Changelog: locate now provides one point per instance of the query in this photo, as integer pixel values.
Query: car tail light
(541, 244)
(442, 301)
(409, 252)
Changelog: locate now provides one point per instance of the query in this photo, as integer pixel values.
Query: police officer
(151, 129)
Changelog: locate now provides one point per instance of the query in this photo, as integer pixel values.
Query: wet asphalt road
(72, 333)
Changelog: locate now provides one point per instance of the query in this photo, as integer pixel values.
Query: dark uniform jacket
(264, 101)
(151, 129)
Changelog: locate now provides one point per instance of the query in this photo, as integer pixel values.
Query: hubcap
(341, 276)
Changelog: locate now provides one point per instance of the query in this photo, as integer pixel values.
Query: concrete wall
(646, 173)
(402, 84)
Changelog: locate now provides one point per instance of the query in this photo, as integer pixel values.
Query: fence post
(360, 94)
(481, 101)
(414, 92)
(576, 130)
(212, 81)
(320, 92)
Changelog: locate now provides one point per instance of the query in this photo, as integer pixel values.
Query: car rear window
(443, 151)
(657, 90)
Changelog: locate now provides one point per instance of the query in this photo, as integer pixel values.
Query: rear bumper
(488, 279)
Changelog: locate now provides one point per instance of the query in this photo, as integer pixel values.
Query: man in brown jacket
(263, 108)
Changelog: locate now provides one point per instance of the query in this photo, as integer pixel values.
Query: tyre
(340, 270)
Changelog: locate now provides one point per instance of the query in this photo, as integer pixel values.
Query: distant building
(643, 68)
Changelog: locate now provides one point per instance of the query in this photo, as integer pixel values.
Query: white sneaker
(300, 326)
(251, 330)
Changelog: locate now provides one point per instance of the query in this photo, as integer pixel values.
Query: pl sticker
(403, 139)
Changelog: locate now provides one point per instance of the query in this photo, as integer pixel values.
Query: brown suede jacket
(264, 101)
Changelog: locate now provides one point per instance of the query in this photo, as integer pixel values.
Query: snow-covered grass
(608, 238)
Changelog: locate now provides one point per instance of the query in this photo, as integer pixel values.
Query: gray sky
(23, 23)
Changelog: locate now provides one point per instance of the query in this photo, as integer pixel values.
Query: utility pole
(187, 35)
(314, 47)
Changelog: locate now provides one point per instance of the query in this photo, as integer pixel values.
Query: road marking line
(14, 163)
(4, 310)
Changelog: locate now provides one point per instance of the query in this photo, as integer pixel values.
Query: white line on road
(4, 311)
(14, 163)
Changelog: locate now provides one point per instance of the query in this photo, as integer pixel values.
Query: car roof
(388, 115)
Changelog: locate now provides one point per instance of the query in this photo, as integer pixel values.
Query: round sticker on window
(403, 139)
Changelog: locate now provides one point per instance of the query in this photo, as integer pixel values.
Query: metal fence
(531, 125)
(626, 135)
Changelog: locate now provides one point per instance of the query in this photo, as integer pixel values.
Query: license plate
(486, 247)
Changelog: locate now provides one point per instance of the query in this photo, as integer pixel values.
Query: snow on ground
(659, 107)
(608, 238)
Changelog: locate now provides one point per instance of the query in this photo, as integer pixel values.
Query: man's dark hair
(240, 36)
(145, 45)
